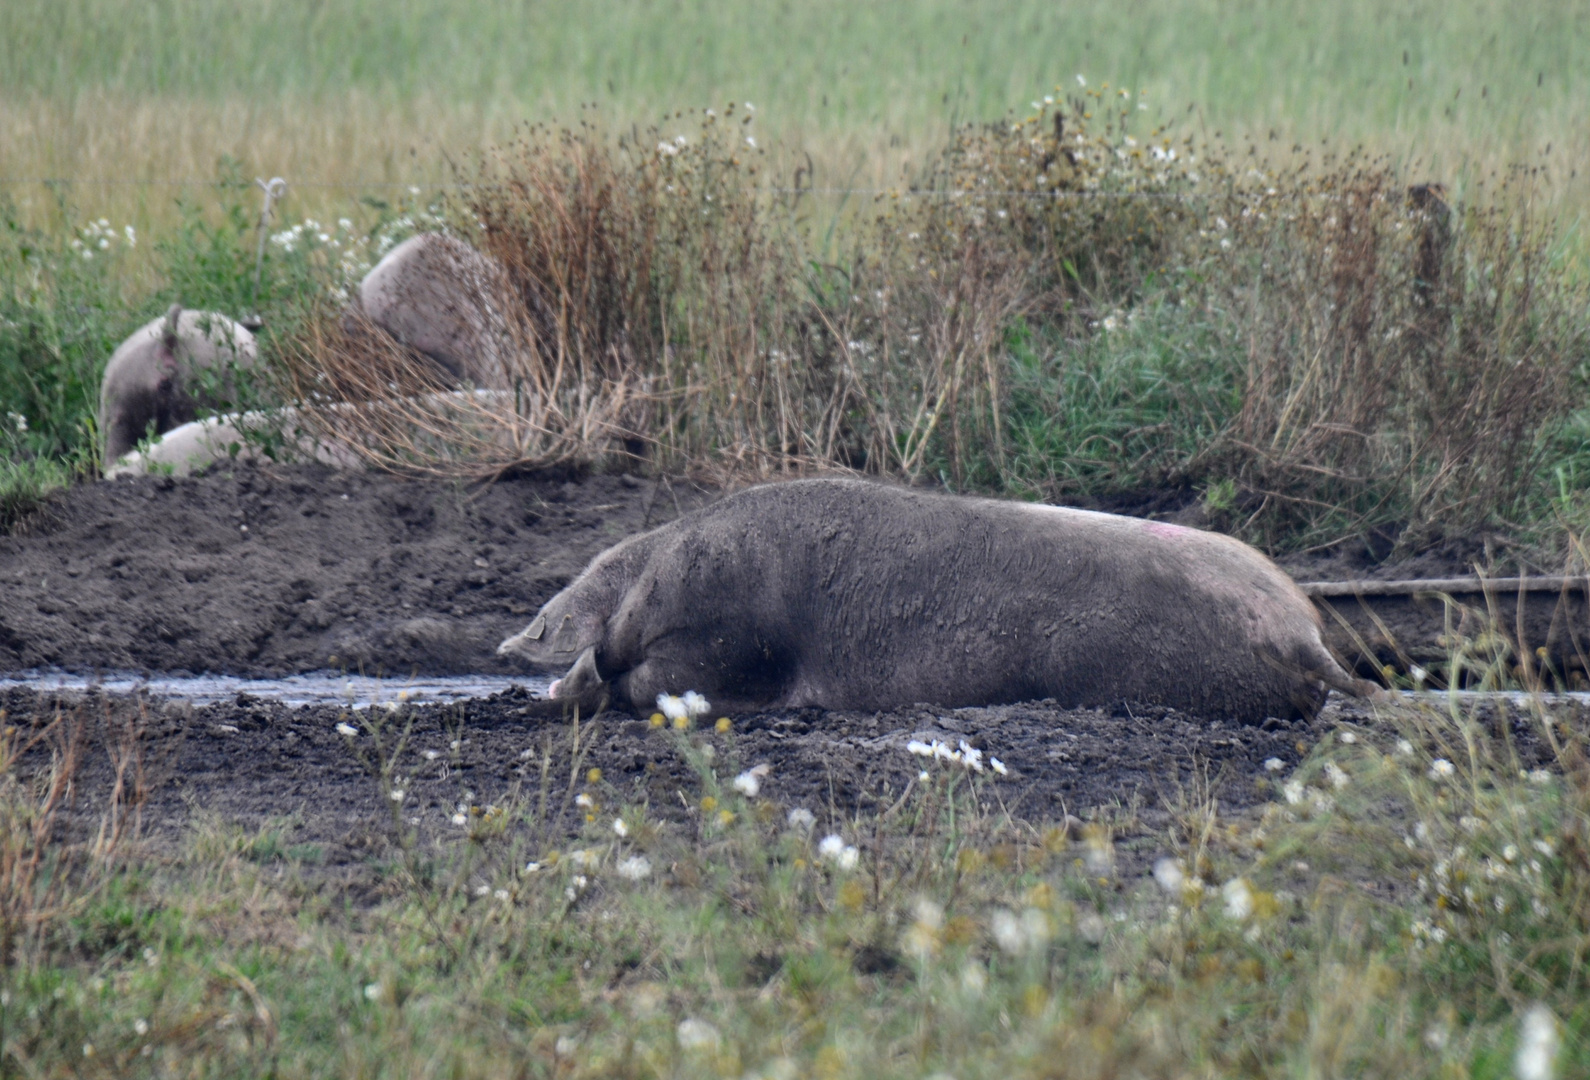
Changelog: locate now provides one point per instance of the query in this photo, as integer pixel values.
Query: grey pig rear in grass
(845, 594)
(440, 297)
(165, 372)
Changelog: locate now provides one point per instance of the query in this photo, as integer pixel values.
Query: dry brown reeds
(1388, 360)
(662, 309)
(46, 875)
(1404, 359)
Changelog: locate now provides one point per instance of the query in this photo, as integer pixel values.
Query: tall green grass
(1344, 69)
(344, 91)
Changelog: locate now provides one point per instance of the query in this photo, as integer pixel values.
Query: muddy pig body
(439, 296)
(166, 371)
(845, 594)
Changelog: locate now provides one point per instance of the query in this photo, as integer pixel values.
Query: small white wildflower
(372, 991)
(998, 766)
(585, 801)
(1274, 764)
(1110, 322)
(141, 1026)
(1238, 897)
(748, 784)
(671, 707)
(1441, 769)
(18, 421)
(398, 795)
(1081, 81)
(1544, 847)
(1348, 737)
(925, 777)
(500, 894)
(482, 890)
(695, 704)
(696, 1034)
(1404, 747)
(580, 881)
(919, 748)
(532, 867)
(1418, 674)
(1293, 790)
(751, 142)
(132, 236)
(1538, 1044)
(1170, 875)
(1225, 244)
(619, 827)
(634, 868)
(942, 752)
(1337, 775)
(1008, 934)
(802, 818)
(431, 755)
(344, 728)
(835, 850)
(1510, 852)
(584, 858)
(971, 757)
(460, 819)
(1540, 776)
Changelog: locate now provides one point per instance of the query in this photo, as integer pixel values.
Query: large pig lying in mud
(845, 594)
(170, 368)
(440, 297)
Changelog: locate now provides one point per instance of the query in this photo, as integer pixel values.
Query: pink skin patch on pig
(1162, 528)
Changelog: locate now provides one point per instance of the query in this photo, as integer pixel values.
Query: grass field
(343, 92)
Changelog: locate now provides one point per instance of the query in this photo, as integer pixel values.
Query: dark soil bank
(270, 571)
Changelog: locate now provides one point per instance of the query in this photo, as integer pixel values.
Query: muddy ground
(269, 571)
(266, 571)
(262, 768)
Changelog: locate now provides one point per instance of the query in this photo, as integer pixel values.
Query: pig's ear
(521, 642)
(567, 638)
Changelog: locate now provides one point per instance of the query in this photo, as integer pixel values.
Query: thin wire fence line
(904, 193)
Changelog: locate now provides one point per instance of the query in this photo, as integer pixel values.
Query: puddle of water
(361, 692)
(315, 688)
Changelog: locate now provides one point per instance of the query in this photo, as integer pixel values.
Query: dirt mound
(264, 571)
